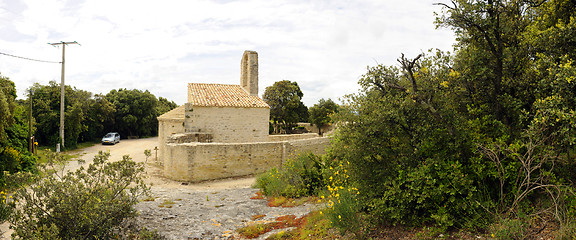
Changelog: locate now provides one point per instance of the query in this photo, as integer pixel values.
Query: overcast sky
(161, 45)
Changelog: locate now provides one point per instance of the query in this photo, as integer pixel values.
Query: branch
(467, 22)
(408, 66)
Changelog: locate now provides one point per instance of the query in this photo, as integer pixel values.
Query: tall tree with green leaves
(14, 155)
(7, 104)
(321, 113)
(286, 106)
(136, 112)
(46, 104)
(99, 118)
(89, 117)
(492, 58)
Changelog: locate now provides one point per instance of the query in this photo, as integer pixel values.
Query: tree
(89, 117)
(7, 104)
(492, 59)
(99, 118)
(14, 155)
(321, 113)
(78, 103)
(164, 106)
(136, 111)
(286, 107)
(407, 147)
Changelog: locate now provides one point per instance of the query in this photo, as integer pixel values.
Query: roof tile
(176, 114)
(222, 95)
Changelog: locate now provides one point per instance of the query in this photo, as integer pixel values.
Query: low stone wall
(206, 161)
(290, 137)
(316, 145)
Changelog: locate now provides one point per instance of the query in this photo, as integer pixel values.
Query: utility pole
(62, 88)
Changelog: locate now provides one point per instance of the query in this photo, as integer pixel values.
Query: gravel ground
(207, 214)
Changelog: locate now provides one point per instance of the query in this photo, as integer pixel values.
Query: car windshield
(109, 135)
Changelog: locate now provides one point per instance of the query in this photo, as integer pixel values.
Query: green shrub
(343, 212)
(86, 204)
(297, 178)
(7, 205)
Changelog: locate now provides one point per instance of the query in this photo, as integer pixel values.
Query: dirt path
(207, 210)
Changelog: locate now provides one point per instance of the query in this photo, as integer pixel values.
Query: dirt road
(207, 210)
(135, 149)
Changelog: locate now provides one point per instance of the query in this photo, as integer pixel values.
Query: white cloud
(325, 46)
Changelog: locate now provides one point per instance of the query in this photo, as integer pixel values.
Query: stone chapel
(222, 131)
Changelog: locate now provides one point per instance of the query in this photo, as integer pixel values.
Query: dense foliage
(89, 117)
(463, 139)
(14, 155)
(88, 203)
(286, 106)
(321, 113)
(136, 111)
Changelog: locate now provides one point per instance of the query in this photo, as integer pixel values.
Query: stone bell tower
(249, 72)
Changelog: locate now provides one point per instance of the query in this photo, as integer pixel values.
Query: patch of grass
(281, 201)
(276, 201)
(257, 229)
(44, 156)
(509, 228)
(258, 195)
(258, 216)
(148, 199)
(314, 225)
(167, 203)
(281, 235)
(567, 231)
(87, 144)
(254, 230)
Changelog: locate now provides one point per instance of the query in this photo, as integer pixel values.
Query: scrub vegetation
(479, 140)
(91, 203)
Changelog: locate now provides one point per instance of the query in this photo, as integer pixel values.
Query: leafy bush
(297, 178)
(7, 205)
(424, 151)
(86, 204)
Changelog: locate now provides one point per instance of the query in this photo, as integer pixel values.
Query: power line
(30, 59)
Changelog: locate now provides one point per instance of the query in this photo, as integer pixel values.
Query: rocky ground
(207, 214)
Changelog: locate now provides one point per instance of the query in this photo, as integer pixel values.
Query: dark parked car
(111, 138)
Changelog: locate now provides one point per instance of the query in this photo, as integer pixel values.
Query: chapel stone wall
(229, 124)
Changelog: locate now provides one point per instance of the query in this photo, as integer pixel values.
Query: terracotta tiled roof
(176, 114)
(222, 95)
